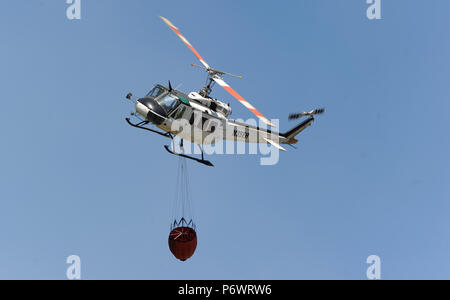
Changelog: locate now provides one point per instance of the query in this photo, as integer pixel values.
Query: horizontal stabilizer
(275, 144)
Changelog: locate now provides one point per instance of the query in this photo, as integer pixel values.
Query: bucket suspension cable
(182, 237)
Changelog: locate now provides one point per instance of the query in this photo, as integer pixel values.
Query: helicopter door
(179, 113)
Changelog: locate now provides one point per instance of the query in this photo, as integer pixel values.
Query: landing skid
(202, 161)
(168, 135)
(139, 125)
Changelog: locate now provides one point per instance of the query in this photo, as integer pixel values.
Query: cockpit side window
(169, 102)
(155, 92)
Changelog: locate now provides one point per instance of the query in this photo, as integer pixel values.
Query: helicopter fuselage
(188, 117)
(203, 120)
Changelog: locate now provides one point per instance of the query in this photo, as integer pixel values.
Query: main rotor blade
(175, 29)
(241, 99)
(217, 78)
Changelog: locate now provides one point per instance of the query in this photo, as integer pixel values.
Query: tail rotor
(318, 111)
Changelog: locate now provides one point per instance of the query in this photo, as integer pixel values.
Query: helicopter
(203, 120)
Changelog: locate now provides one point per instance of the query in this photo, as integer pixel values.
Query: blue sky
(369, 177)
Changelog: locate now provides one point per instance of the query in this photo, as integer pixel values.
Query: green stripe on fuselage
(184, 100)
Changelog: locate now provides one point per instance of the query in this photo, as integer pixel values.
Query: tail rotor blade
(318, 111)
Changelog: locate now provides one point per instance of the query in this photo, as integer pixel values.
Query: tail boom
(289, 136)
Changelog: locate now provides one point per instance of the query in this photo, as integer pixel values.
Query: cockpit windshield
(155, 92)
(169, 102)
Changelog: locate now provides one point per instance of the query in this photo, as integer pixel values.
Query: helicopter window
(169, 102)
(178, 114)
(155, 92)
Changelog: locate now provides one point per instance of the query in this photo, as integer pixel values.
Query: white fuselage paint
(209, 127)
(214, 129)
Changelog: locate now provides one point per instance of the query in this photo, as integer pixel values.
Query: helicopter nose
(151, 110)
